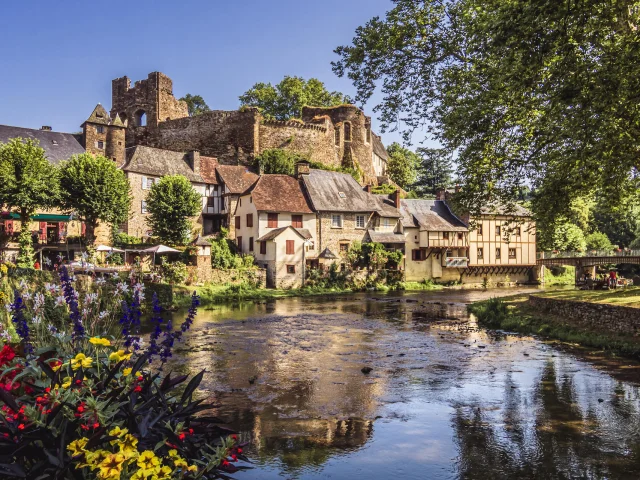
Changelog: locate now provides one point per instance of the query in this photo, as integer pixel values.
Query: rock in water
(366, 370)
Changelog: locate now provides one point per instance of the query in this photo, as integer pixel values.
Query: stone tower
(145, 105)
(104, 136)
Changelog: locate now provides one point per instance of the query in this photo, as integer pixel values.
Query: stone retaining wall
(200, 274)
(593, 316)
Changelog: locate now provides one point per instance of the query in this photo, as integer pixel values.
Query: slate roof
(201, 242)
(159, 162)
(237, 178)
(339, 192)
(304, 232)
(432, 215)
(386, 237)
(328, 254)
(99, 116)
(277, 231)
(378, 147)
(57, 146)
(519, 211)
(279, 193)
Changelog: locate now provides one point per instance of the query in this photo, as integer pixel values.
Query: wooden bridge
(589, 258)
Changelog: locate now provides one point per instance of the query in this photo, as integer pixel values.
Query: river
(444, 399)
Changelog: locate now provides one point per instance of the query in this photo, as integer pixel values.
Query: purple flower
(20, 322)
(71, 297)
(170, 337)
(130, 322)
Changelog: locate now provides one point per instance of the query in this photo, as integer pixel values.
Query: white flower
(51, 288)
(47, 262)
(100, 281)
(23, 285)
(9, 307)
(91, 298)
(85, 312)
(102, 315)
(38, 301)
(60, 300)
(123, 287)
(26, 296)
(51, 328)
(36, 320)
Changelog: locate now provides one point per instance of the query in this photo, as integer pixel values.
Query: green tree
(96, 189)
(435, 171)
(402, 164)
(524, 92)
(598, 241)
(618, 222)
(196, 104)
(29, 182)
(278, 160)
(171, 202)
(25, 250)
(286, 99)
(563, 236)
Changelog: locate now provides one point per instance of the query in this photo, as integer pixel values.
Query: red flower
(181, 436)
(234, 457)
(239, 450)
(21, 426)
(6, 355)
(137, 388)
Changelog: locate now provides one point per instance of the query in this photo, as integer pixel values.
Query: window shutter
(8, 225)
(83, 231)
(62, 226)
(43, 230)
(144, 183)
(290, 247)
(263, 248)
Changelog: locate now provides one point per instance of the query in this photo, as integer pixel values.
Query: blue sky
(59, 56)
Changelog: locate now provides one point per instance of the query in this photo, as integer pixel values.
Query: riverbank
(517, 314)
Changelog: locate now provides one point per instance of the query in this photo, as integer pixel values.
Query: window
(445, 235)
(237, 221)
(311, 245)
(143, 207)
(291, 247)
(460, 236)
(251, 244)
(512, 253)
(250, 199)
(291, 269)
(480, 253)
(337, 139)
(272, 220)
(497, 231)
(386, 222)
(336, 221)
(498, 254)
(368, 135)
(359, 221)
(518, 231)
(417, 255)
(479, 229)
(240, 202)
(147, 182)
(141, 118)
(211, 202)
(100, 145)
(263, 248)
(239, 244)
(347, 131)
(344, 247)
(296, 221)
(249, 219)
(99, 129)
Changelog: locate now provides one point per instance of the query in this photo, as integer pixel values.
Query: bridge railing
(622, 252)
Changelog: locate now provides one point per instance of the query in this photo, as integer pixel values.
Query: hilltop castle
(148, 114)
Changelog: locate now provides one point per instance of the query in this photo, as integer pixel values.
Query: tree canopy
(196, 104)
(96, 189)
(286, 99)
(435, 171)
(29, 181)
(542, 93)
(402, 164)
(171, 202)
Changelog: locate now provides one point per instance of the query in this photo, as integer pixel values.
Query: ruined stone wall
(313, 141)
(231, 137)
(605, 318)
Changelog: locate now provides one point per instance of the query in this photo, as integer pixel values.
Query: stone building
(335, 136)
(346, 213)
(103, 135)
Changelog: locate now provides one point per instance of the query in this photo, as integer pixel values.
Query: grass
(420, 286)
(626, 297)
(515, 315)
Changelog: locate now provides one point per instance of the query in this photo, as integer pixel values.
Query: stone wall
(205, 274)
(331, 238)
(593, 316)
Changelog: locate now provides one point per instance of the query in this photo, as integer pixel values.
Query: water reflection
(444, 399)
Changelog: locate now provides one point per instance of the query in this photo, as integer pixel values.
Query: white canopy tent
(158, 250)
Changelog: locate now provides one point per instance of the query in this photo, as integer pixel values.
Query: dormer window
(54, 142)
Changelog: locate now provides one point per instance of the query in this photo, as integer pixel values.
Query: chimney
(46, 128)
(194, 161)
(395, 196)
(441, 194)
(367, 188)
(302, 168)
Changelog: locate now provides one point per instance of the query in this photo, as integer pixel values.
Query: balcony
(456, 262)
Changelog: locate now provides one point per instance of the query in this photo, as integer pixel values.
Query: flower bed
(81, 396)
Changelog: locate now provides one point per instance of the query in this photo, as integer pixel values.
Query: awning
(41, 217)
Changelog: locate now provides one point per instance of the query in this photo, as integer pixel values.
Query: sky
(59, 56)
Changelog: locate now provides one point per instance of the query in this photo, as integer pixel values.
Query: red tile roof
(236, 178)
(279, 193)
(208, 167)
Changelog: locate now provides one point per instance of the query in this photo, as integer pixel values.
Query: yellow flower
(180, 462)
(192, 468)
(77, 446)
(126, 372)
(94, 459)
(103, 342)
(66, 382)
(173, 452)
(148, 462)
(129, 445)
(111, 466)
(117, 432)
(118, 356)
(81, 360)
(164, 473)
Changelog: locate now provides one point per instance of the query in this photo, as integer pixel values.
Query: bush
(598, 241)
(277, 160)
(83, 400)
(174, 272)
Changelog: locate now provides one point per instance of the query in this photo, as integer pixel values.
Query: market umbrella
(159, 250)
(106, 248)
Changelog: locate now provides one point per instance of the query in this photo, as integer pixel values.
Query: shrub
(598, 241)
(174, 272)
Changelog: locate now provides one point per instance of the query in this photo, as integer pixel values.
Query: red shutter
(249, 219)
(83, 229)
(272, 220)
(290, 247)
(8, 227)
(238, 222)
(296, 221)
(62, 230)
(43, 230)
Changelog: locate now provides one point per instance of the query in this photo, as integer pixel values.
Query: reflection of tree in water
(561, 443)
